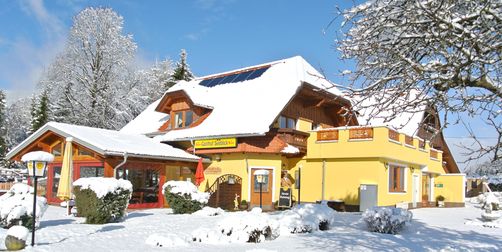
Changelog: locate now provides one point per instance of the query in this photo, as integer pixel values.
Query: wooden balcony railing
(421, 144)
(394, 135)
(408, 140)
(434, 154)
(294, 137)
(361, 133)
(327, 135)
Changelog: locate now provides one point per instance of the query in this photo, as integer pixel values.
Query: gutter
(213, 137)
(108, 153)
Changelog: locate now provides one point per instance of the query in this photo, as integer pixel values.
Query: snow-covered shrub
(183, 196)
(15, 238)
(16, 207)
(209, 211)
(169, 241)
(491, 201)
(386, 219)
(306, 218)
(494, 198)
(253, 226)
(102, 200)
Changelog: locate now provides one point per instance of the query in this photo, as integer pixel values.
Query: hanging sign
(216, 143)
(285, 198)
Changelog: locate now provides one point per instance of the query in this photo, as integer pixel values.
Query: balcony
(294, 137)
(371, 142)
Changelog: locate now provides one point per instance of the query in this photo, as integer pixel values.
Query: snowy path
(433, 229)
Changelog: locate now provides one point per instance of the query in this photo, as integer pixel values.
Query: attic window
(234, 77)
(182, 119)
(287, 122)
(57, 150)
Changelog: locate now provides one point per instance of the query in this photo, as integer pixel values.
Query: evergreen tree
(39, 111)
(182, 70)
(3, 145)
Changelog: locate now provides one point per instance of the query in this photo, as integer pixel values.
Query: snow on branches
(450, 51)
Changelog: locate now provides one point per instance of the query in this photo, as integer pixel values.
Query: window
(396, 178)
(91, 171)
(287, 122)
(474, 184)
(56, 150)
(84, 152)
(178, 120)
(316, 126)
(183, 119)
(188, 118)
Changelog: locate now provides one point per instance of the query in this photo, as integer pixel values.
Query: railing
(421, 144)
(234, 179)
(408, 140)
(327, 135)
(379, 135)
(433, 154)
(361, 133)
(294, 137)
(394, 135)
(6, 186)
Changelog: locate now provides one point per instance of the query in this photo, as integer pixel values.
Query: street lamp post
(260, 176)
(36, 162)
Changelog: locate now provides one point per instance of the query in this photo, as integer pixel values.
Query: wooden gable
(430, 129)
(319, 106)
(54, 143)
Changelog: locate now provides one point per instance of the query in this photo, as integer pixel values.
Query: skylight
(234, 77)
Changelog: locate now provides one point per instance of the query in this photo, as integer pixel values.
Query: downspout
(193, 147)
(323, 178)
(120, 165)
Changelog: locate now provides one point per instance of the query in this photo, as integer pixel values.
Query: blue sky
(218, 36)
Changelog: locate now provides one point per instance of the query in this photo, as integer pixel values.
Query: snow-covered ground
(432, 229)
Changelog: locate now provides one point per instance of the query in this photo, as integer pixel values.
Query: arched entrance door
(224, 190)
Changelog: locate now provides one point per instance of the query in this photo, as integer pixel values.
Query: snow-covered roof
(242, 108)
(407, 120)
(147, 122)
(109, 142)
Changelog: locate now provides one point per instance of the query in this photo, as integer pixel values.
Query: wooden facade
(146, 175)
(430, 129)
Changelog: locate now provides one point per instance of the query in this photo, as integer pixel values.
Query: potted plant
(440, 200)
(243, 205)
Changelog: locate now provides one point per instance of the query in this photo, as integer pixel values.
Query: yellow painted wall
(343, 178)
(235, 163)
(450, 190)
(349, 163)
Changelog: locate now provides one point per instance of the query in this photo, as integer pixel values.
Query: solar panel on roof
(256, 73)
(232, 78)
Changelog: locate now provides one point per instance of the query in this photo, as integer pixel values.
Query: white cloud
(25, 60)
(51, 23)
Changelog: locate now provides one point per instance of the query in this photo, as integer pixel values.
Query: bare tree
(448, 51)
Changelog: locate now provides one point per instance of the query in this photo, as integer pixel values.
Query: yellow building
(283, 117)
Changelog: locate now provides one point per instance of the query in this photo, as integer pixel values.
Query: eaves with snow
(404, 113)
(238, 108)
(108, 143)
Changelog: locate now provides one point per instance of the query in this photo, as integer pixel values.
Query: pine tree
(182, 70)
(3, 131)
(39, 111)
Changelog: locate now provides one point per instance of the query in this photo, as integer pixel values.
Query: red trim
(52, 199)
(76, 175)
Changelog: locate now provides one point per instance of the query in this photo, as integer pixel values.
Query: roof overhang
(49, 128)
